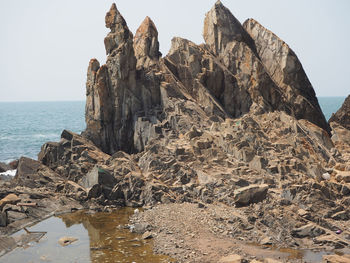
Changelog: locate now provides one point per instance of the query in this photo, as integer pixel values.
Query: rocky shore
(223, 144)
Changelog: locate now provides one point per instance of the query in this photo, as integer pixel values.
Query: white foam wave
(9, 173)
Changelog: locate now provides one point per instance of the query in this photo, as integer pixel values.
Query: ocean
(26, 126)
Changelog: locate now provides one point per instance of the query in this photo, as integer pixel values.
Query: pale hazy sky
(45, 46)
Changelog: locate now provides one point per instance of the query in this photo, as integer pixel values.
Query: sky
(45, 46)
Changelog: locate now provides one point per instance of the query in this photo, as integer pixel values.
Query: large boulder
(31, 173)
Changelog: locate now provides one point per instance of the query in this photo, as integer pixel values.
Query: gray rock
(94, 192)
(250, 194)
(342, 116)
(4, 167)
(98, 176)
(309, 230)
(3, 219)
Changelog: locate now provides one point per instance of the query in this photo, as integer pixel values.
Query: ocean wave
(9, 173)
(16, 137)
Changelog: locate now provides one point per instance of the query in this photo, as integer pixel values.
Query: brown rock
(221, 28)
(72, 157)
(286, 70)
(9, 199)
(336, 259)
(146, 44)
(3, 219)
(13, 164)
(113, 98)
(309, 230)
(32, 174)
(342, 116)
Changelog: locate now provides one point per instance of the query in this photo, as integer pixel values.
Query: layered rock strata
(286, 71)
(232, 74)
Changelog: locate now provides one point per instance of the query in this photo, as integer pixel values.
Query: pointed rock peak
(221, 28)
(218, 3)
(147, 28)
(146, 44)
(94, 65)
(113, 18)
(120, 32)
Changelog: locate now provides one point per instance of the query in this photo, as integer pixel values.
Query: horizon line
(13, 101)
(81, 100)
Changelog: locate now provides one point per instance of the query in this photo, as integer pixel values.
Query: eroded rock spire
(146, 43)
(136, 92)
(221, 28)
(120, 32)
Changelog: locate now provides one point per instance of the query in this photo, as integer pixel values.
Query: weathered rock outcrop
(342, 116)
(287, 72)
(232, 122)
(130, 97)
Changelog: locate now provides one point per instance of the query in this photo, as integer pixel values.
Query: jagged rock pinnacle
(221, 28)
(146, 43)
(120, 32)
(130, 97)
(113, 17)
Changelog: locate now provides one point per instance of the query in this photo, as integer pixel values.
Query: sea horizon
(27, 125)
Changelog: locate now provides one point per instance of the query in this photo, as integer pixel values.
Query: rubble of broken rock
(222, 143)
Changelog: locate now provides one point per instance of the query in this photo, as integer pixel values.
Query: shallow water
(99, 240)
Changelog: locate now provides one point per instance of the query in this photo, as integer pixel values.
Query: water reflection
(99, 240)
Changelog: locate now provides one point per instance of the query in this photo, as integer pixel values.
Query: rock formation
(146, 44)
(287, 72)
(231, 123)
(342, 116)
(233, 74)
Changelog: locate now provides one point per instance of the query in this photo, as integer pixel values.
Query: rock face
(222, 28)
(342, 116)
(287, 72)
(130, 96)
